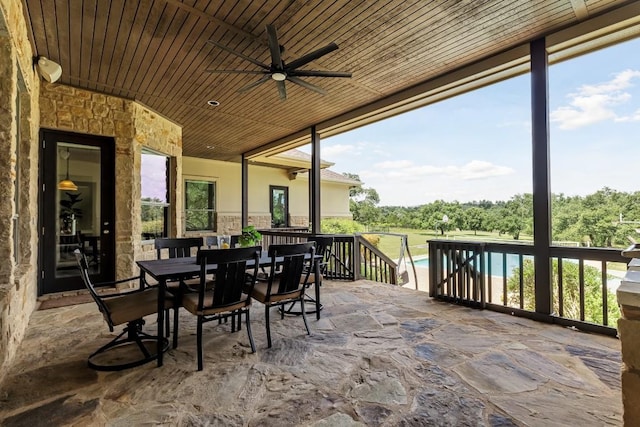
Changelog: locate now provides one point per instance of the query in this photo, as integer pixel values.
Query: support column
(314, 174)
(245, 192)
(541, 176)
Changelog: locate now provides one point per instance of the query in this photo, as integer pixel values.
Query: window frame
(165, 205)
(273, 188)
(212, 201)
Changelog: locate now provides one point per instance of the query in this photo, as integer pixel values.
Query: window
(154, 175)
(200, 205)
(279, 206)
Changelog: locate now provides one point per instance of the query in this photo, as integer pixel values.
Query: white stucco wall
(227, 175)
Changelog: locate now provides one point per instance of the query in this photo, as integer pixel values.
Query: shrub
(340, 226)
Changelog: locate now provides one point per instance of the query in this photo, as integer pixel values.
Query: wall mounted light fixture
(49, 70)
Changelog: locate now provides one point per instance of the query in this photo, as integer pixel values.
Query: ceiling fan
(279, 71)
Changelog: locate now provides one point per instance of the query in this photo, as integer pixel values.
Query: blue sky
(477, 146)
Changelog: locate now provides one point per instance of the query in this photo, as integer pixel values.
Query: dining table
(171, 269)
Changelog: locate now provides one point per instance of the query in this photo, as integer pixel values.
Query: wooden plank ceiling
(156, 52)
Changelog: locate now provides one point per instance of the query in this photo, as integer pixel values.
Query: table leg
(318, 280)
(161, 290)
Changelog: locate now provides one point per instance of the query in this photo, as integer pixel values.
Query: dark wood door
(77, 208)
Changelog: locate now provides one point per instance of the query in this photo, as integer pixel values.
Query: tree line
(606, 218)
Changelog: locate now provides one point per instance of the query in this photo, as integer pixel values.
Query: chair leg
(199, 343)
(240, 320)
(266, 321)
(166, 322)
(233, 323)
(304, 315)
(253, 346)
(134, 335)
(176, 314)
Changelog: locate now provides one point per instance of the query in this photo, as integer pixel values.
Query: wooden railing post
(356, 258)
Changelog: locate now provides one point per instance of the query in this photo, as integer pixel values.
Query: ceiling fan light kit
(279, 71)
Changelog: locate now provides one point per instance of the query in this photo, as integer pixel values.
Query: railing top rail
(383, 233)
(272, 231)
(595, 254)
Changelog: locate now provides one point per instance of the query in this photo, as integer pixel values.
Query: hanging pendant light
(67, 184)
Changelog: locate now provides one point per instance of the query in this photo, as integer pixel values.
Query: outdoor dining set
(211, 284)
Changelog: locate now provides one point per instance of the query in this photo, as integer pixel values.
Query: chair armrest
(142, 282)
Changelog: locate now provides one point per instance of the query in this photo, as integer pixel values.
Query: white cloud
(595, 103)
(635, 117)
(473, 170)
(333, 151)
(393, 164)
(478, 169)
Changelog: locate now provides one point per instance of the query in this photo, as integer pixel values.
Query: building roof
(331, 176)
(291, 159)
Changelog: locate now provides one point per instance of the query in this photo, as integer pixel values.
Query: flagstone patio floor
(380, 356)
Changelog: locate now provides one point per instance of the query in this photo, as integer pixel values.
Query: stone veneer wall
(19, 85)
(298, 221)
(231, 224)
(133, 127)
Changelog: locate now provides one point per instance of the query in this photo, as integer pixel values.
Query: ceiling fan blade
(254, 84)
(305, 59)
(318, 73)
(306, 85)
(245, 57)
(274, 47)
(282, 90)
(238, 71)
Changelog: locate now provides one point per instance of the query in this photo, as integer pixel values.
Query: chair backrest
(324, 248)
(296, 261)
(177, 247)
(211, 242)
(231, 280)
(83, 265)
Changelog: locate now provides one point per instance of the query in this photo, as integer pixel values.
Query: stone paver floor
(380, 355)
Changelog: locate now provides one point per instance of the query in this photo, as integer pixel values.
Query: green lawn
(417, 239)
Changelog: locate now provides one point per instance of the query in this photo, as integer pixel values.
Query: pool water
(497, 263)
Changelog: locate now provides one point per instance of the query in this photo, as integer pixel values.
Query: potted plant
(250, 237)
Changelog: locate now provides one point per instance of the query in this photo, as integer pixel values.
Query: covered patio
(380, 355)
(136, 75)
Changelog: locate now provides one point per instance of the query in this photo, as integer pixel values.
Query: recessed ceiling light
(213, 103)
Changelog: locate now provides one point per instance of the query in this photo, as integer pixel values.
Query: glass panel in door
(78, 208)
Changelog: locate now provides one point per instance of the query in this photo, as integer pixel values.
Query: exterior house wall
(19, 124)
(335, 200)
(227, 175)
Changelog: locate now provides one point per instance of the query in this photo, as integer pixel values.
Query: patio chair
(229, 295)
(128, 308)
(324, 247)
(287, 285)
(178, 247)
